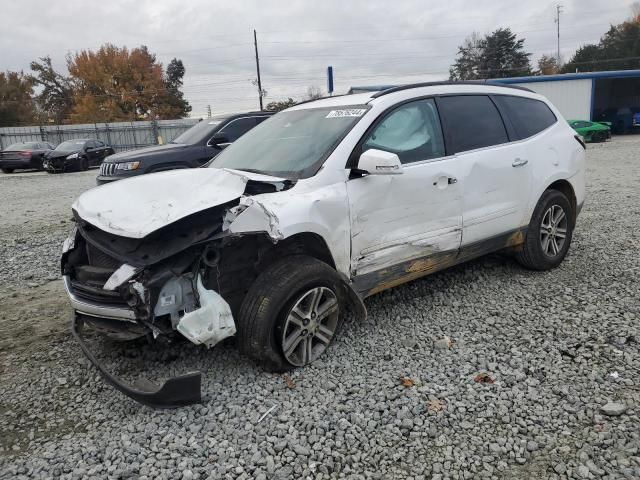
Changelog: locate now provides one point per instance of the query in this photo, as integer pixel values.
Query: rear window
(527, 115)
(471, 121)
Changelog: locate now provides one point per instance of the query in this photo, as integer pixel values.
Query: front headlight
(128, 166)
(73, 156)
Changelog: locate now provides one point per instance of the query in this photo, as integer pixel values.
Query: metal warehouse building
(600, 96)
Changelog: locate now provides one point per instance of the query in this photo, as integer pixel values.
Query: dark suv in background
(193, 148)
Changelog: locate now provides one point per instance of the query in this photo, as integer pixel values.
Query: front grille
(108, 169)
(97, 295)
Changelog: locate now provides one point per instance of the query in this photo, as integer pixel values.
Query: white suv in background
(317, 208)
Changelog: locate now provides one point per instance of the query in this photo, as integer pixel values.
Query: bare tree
(313, 93)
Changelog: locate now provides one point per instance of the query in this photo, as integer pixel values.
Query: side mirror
(219, 139)
(378, 162)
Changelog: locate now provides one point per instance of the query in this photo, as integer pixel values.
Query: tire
(599, 137)
(267, 320)
(84, 165)
(7, 170)
(538, 254)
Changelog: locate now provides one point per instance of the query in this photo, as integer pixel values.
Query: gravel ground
(537, 378)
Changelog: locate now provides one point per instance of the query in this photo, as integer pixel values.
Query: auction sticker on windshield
(350, 112)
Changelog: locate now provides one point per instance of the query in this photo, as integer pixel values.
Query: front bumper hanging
(173, 393)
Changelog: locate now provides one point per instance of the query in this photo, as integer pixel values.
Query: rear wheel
(7, 170)
(549, 234)
(291, 313)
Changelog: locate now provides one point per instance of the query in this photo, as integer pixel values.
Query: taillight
(580, 141)
(26, 153)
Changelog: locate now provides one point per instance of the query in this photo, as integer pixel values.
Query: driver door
(399, 221)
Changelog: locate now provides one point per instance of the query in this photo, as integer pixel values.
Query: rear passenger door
(497, 179)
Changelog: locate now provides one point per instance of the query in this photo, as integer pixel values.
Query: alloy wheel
(310, 326)
(553, 230)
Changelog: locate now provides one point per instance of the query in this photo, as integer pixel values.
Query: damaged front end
(174, 279)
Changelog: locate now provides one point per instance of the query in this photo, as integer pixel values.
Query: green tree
(56, 95)
(467, 63)
(16, 99)
(277, 106)
(175, 105)
(499, 54)
(618, 49)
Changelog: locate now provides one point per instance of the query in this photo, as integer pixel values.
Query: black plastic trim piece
(447, 82)
(175, 392)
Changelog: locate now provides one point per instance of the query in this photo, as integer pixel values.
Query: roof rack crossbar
(447, 82)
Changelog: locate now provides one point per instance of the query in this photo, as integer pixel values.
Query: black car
(193, 148)
(27, 155)
(79, 154)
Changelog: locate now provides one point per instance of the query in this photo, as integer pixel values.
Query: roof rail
(319, 98)
(447, 82)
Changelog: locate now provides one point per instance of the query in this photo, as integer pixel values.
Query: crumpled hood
(140, 205)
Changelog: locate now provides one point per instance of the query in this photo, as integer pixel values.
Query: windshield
(291, 144)
(70, 145)
(22, 146)
(200, 132)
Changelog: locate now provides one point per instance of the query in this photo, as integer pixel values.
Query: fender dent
(256, 217)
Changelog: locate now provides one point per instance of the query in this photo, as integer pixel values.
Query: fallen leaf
(406, 382)
(435, 406)
(483, 378)
(289, 381)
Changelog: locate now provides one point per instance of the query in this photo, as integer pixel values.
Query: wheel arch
(565, 187)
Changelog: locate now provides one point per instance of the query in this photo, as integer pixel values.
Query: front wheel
(7, 170)
(291, 313)
(84, 164)
(549, 233)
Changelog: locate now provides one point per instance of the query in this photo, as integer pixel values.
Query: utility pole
(557, 21)
(255, 43)
(208, 111)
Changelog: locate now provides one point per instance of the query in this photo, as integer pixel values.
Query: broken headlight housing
(128, 166)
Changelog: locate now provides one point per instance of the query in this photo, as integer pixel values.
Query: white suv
(317, 208)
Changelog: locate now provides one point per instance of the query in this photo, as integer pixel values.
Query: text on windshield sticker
(350, 112)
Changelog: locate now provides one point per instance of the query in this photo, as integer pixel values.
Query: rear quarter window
(471, 121)
(527, 115)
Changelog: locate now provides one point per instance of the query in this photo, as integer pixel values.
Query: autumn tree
(548, 65)
(499, 54)
(115, 84)
(16, 99)
(56, 92)
(618, 49)
(282, 105)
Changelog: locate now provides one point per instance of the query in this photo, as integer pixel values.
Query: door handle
(519, 162)
(443, 182)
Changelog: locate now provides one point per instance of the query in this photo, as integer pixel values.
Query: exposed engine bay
(189, 276)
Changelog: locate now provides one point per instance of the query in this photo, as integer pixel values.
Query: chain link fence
(120, 135)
